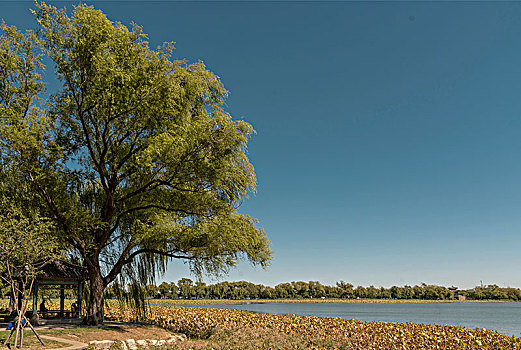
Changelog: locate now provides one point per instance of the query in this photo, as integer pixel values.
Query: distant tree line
(493, 292)
(188, 289)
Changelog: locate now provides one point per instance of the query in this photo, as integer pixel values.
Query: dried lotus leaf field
(229, 329)
(328, 332)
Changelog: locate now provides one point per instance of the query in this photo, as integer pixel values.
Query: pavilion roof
(59, 270)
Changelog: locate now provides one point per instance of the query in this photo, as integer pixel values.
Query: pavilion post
(62, 300)
(35, 297)
(80, 298)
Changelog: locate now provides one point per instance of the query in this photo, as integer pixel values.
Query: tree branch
(152, 206)
(62, 220)
(116, 269)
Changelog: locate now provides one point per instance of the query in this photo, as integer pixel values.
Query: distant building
(456, 294)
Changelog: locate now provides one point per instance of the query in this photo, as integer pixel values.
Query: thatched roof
(59, 270)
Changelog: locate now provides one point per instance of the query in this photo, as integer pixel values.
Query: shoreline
(315, 301)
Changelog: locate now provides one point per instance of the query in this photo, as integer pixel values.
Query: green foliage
(19, 80)
(24, 240)
(25, 234)
(494, 292)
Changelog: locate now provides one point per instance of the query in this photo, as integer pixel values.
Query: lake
(503, 317)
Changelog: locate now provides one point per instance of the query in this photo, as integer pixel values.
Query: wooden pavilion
(61, 275)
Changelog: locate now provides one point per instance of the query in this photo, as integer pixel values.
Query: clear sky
(388, 146)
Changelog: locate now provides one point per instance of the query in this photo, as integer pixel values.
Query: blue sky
(388, 146)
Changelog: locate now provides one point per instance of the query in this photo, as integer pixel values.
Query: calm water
(503, 317)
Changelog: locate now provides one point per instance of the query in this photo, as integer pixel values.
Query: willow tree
(134, 156)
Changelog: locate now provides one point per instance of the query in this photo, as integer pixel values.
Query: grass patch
(109, 332)
(30, 341)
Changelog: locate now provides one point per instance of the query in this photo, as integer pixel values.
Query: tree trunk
(95, 310)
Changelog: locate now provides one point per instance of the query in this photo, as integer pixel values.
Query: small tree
(25, 247)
